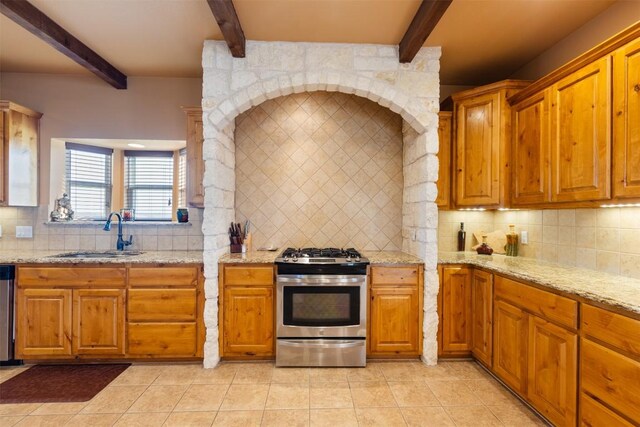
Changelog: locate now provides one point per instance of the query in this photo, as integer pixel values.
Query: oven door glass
(321, 306)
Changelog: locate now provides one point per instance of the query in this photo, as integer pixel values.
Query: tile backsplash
(73, 237)
(604, 239)
(319, 169)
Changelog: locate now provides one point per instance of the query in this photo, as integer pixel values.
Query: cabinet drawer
(237, 275)
(168, 305)
(545, 304)
(594, 414)
(162, 339)
(612, 378)
(165, 276)
(394, 275)
(615, 329)
(71, 276)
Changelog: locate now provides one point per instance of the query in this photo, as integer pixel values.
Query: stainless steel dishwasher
(7, 315)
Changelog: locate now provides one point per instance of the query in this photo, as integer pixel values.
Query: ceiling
(482, 40)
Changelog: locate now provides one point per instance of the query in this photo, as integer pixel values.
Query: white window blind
(182, 178)
(88, 176)
(148, 184)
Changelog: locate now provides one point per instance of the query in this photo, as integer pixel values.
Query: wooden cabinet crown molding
(8, 105)
(604, 48)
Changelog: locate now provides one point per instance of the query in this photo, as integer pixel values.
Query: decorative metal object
(62, 210)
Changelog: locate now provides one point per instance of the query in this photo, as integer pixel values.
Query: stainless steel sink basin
(94, 254)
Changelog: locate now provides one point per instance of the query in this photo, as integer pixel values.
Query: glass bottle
(484, 248)
(462, 237)
(512, 241)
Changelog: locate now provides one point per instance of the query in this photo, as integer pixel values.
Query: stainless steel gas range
(321, 307)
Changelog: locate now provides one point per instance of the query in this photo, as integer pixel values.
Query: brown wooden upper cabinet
(626, 121)
(195, 162)
(482, 135)
(20, 130)
(444, 156)
(581, 134)
(530, 178)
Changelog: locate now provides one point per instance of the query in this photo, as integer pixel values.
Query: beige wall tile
(335, 180)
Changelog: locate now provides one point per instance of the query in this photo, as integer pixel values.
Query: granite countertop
(376, 257)
(617, 291)
(147, 257)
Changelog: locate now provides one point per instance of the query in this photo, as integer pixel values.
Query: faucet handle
(130, 241)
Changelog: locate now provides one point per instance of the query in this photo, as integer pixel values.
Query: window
(148, 184)
(88, 172)
(182, 178)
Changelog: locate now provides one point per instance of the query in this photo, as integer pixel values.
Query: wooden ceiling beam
(36, 22)
(425, 20)
(229, 24)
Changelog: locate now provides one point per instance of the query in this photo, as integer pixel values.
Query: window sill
(82, 223)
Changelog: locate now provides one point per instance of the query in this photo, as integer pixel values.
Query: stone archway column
(272, 69)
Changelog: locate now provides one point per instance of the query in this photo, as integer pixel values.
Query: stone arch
(274, 69)
(377, 91)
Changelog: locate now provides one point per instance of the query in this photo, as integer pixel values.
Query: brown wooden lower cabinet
(394, 320)
(44, 318)
(98, 312)
(248, 321)
(395, 311)
(98, 321)
(247, 311)
(482, 316)
(456, 337)
(553, 375)
(510, 332)
(595, 414)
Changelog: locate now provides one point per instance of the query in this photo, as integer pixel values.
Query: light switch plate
(524, 237)
(24, 231)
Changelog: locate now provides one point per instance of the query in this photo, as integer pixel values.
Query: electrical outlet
(524, 237)
(24, 232)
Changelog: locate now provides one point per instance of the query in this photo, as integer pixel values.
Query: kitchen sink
(94, 254)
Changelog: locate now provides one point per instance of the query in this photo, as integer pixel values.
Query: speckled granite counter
(617, 291)
(391, 257)
(376, 257)
(147, 257)
(256, 257)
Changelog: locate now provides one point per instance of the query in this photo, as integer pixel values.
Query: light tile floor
(254, 394)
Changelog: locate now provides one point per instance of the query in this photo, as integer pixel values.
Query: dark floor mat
(59, 383)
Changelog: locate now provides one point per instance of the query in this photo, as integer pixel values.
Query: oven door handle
(322, 343)
(308, 280)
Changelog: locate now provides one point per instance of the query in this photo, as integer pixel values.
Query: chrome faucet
(121, 243)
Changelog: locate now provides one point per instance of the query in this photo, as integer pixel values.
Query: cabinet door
(444, 158)
(626, 125)
(581, 134)
(3, 166)
(98, 321)
(552, 364)
(478, 157)
(456, 310)
(611, 377)
(23, 132)
(195, 171)
(43, 323)
(248, 321)
(530, 148)
(510, 345)
(482, 315)
(394, 320)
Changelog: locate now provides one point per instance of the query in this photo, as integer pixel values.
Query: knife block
(236, 249)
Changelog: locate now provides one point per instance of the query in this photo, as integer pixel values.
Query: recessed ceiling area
(482, 40)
